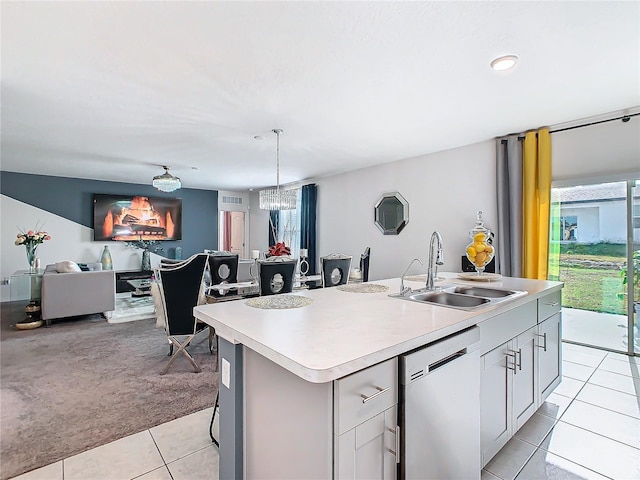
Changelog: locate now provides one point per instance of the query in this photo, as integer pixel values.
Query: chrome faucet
(432, 270)
(406, 290)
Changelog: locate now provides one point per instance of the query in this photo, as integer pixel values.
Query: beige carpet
(84, 382)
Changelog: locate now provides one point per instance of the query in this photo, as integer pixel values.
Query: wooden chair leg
(181, 349)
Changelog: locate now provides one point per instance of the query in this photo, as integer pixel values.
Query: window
(569, 226)
(289, 226)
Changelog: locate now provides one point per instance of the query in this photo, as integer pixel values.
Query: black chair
(180, 289)
(335, 269)
(223, 268)
(364, 264)
(276, 275)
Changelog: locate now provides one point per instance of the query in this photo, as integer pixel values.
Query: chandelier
(274, 198)
(166, 182)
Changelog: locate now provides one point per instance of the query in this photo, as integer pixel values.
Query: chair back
(276, 275)
(364, 264)
(223, 267)
(335, 269)
(180, 286)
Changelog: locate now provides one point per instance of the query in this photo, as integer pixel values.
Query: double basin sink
(462, 297)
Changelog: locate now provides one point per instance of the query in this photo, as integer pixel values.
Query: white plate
(483, 277)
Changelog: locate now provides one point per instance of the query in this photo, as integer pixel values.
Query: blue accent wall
(72, 198)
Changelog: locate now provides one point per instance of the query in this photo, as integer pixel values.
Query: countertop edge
(338, 371)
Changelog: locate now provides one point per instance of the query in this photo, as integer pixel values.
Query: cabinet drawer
(549, 305)
(365, 394)
(505, 326)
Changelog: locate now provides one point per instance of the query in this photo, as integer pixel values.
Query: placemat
(279, 302)
(363, 288)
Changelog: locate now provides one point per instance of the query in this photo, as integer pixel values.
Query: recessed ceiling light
(258, 137)
(505, 62)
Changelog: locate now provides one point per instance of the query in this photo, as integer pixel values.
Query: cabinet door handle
(520, 359)
(544, 337)
(553, 304)
(380, 391)
(511, 355)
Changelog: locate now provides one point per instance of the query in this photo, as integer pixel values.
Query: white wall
(16, 214)
(444, 191)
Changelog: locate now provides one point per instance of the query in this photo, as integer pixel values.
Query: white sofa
(77, 293)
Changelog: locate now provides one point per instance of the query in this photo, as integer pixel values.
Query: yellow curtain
(536, 202)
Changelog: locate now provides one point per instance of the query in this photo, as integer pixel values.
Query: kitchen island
(286, 374)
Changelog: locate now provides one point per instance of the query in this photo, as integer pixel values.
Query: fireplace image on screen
(131, 218)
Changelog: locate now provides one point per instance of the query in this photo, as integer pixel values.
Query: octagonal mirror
(391, 213)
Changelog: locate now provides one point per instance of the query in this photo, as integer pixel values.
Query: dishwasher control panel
(419, 363)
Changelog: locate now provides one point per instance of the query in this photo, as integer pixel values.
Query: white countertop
(343, 332)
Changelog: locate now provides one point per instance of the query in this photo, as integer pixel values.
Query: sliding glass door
(595, 231)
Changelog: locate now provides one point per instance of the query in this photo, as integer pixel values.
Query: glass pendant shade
(274, 198)
(166, 182)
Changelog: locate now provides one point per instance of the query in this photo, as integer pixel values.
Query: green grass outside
(590, 288)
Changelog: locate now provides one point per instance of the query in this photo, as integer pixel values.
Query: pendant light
(274, 198)
(166, 182)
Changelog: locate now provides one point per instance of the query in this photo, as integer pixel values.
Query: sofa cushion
(67, 266)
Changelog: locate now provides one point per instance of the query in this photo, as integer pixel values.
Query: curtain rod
(624, 118)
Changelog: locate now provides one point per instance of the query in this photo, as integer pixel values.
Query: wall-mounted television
(130, 218)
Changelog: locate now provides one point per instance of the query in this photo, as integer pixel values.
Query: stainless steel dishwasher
(440, 409)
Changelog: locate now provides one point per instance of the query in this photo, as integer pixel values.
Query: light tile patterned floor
(588, 428)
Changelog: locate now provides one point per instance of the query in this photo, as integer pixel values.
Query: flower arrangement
(31, 240)
(279, 249)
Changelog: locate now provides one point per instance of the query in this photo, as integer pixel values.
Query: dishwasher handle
(445, 360)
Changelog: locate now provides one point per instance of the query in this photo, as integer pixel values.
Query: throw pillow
(67, 267)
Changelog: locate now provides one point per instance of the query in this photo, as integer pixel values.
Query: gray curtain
(508, 241)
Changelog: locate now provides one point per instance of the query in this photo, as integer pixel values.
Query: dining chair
(276, 275)
(180, 290)
(335, 269)
(364, 264)
(223, 268)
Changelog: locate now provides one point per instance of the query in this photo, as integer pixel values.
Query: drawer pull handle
(380, 391)
(552, 304)
(544, 337)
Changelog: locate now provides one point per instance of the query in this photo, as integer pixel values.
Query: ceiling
(112, 90)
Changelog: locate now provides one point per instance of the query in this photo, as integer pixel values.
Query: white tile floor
(588, 428)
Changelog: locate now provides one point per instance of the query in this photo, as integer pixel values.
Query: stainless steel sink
(461, 297)
(484, 292)
(449, 299)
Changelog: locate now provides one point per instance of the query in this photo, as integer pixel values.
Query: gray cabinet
(365, 423)
(549, 345)
(496, 384)
(525, 378)
(369, 450)
(521, 365)
(508, 395)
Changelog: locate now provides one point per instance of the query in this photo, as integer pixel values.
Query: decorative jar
(480, 251)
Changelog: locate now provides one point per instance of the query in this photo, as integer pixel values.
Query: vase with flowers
(31, 239)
